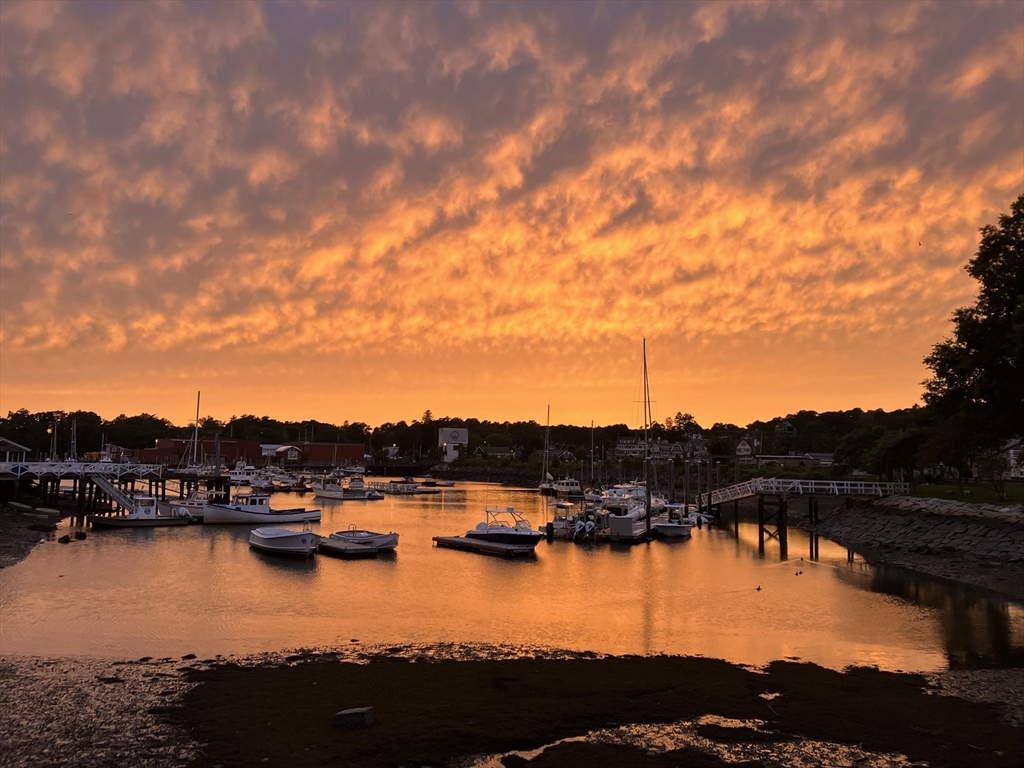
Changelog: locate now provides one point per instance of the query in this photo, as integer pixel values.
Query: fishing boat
(505, 526)
(145, 513)
(328, 488)
(284, 541)
(672, 528)
(357, 491)
(568, 488)
(255, 508)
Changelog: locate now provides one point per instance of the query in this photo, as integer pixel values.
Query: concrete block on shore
(358, 717)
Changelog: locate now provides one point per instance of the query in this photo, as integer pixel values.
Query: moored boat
(255, 508)
(284, 541)
(328, 488)
(144, 514)
(381, 541)
(506, 526)
(357, 491)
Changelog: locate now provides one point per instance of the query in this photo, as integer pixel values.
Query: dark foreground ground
(433, 709)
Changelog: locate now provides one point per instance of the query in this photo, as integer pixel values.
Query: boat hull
(279, 541)
(527, 539)
(673, 530)
(216, 514)
(130, 521)
(380, 541)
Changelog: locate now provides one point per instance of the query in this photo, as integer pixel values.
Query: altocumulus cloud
(492, 180)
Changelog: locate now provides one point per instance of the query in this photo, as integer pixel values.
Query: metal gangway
(92, 469)
(779, 486)
(123, 499)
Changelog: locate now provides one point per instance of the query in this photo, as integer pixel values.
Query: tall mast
(647, 446)
(547, 433)
(195, 434)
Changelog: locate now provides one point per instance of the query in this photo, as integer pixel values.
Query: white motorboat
(284, 541)
(255, 508)
(357, 491)
(672, 528)
(380, 542)
(242, 474)
(144, 514)
(328, 488)
(506, 526)
(194, 505)
(568, 488)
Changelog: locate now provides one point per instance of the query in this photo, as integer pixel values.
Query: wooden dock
(484, 547)
(339, 548)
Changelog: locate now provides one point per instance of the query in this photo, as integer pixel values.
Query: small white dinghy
(284, 541)
(357, 542)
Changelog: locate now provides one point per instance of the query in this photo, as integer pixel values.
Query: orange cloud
(487, 206)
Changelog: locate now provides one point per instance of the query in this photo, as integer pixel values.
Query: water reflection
(714, 594)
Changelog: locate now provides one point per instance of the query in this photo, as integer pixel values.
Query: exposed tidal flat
(478, 661)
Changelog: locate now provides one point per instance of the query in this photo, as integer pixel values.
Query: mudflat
(643, 709)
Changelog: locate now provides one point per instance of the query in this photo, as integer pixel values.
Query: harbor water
(201, 589)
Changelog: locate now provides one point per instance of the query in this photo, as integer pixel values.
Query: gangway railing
(777, 485)
(115, 493)
(78, 469)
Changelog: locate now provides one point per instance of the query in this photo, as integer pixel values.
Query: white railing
(113, 492)
(78, 469)
(804, 487)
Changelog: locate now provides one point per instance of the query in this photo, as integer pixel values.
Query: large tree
(979, 372)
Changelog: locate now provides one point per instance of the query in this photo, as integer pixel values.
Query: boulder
(358, 717)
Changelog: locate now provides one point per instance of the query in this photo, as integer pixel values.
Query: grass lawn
(979, 494)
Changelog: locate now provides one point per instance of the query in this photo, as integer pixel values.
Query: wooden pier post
(760, 524)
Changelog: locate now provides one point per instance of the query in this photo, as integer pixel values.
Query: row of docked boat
(340, 489)
(148, 512)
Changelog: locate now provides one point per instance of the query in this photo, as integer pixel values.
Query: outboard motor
(578, 529)
(589, 531)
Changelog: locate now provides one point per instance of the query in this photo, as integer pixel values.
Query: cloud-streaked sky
(361, 211)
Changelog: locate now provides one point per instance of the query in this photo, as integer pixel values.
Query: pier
(100, 486)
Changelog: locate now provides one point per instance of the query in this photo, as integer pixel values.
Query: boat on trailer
(284, 541)
(255, 508)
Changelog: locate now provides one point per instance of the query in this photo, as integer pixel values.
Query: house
(628, 448)
(784, 427)
(746, 448)
(663, 450)
(12, 451)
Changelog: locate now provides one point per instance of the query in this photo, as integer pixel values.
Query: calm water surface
(201, 589)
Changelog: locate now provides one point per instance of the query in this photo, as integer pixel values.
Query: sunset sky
(362, 211)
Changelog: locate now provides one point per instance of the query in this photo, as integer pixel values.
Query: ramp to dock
(114, 493)
(779, 486)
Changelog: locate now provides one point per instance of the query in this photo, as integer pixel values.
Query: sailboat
(546, 486)
(668, 526)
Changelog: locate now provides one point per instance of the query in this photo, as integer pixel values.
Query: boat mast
(195, 434)
(547, 433)
(647, 446)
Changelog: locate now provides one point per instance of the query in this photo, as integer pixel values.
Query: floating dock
(484, 547)
(339, 548)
